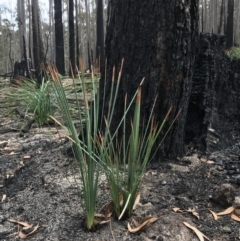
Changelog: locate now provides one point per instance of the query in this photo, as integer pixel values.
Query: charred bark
(59, 42)
(38, 52)
(213, 120)
(157, 40)
(229, 27)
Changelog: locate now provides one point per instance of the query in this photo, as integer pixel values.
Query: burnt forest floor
(38, 186)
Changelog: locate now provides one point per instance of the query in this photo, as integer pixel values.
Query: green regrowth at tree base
(123, 159)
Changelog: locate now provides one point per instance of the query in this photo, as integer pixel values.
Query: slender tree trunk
(71, 39)
(221, 18)
(205, 17)
(230, 21)
(225, 17)
(52, 53)
(59, 40)
(100, 36)
(157, 40)
(211, 16)
(92, 14)
(237, 32)
(38, 52)
(77, 35)
(216, 15)
(88, 34)
(21, 25)
(81, 42)
(30, 37)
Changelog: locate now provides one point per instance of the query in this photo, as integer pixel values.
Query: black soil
(38, 179)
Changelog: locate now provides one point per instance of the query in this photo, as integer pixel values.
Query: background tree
(100, 35)
(88, 34)
(71, 38)
(77, 35)
(59, 41)
(221, 18)
(157, 41)
(237, 25)
(50, 34)
(38, 51)
(230, 21)
(21, 25)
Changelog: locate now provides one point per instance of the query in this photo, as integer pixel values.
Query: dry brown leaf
(203, 159)
(4, 196)
(104, 221)
(196, 214)
(99, 215)
(210, 162)
(235, 217)
(193, 211)
(26, 157)
(21, 164)
(237, 210)
(24, 236)
(97, 222)
(137, 200)
(177, 210)
(147, 218)
(215, 216)
(109, 210)
(207, 161)
(24, 224)
(143, 225)
(227, 211)
(136, 223)
(200, 235)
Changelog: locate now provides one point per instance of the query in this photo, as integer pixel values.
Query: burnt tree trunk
(38, 52)
(157, 40)
(229, 27)
(59, 42)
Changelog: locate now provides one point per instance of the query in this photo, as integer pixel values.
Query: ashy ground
(38, 185)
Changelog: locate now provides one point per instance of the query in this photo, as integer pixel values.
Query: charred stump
(21, 71)
(213, 119)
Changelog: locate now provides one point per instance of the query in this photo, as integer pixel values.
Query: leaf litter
(29, 229)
